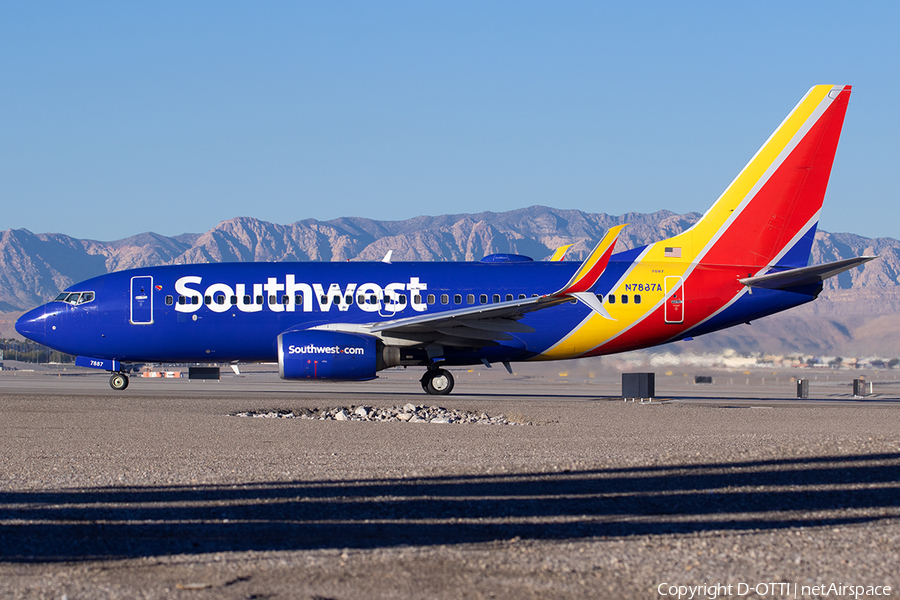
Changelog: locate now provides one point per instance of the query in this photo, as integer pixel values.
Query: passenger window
(323, 299)
(273, 300)
(445, 299)
(417, 298)
(220, 299)
(457, 299)
(624, 298)
(361, 299)
(181, 299)
(612, 298)
(373, 299)
(470, 299)
(287, 300)
(600, 297)
(336, 300)
(259, 299)
(637, 298)
(233, 300)
(430, 298)
(534, 295)
(298, 299)
(170, 300)
(496, 298)
(195, 299)
(521, 296)
(348, 300)
(402, 300)
(246, 299)
(207, 299)
(509, 297)
(483, 298)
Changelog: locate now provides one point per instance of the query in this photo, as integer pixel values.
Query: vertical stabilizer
(768, 215)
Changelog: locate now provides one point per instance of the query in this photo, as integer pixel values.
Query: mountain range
(35, 267)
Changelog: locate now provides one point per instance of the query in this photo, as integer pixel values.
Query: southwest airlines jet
(746, 258)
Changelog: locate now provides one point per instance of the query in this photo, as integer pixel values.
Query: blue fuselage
(235, 311)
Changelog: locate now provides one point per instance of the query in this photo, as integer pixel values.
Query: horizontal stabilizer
(804, 275)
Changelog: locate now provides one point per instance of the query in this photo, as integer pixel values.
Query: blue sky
(122, 117)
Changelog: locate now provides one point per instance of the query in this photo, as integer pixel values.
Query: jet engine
(323, 354)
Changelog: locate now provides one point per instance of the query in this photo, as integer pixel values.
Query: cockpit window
(74, 298)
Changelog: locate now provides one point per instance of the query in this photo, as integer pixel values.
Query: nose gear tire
(118, 381)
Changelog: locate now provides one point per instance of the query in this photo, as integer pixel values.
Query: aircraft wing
(471, 326)
(804, 275)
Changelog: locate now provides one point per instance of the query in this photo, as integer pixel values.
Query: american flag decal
(673, 252)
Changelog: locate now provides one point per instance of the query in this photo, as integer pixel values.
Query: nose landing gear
(118, 381)
(437, 382)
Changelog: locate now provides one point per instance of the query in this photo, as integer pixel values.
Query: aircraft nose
(33, 325)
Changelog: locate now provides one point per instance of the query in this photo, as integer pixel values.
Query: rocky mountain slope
(34, 267)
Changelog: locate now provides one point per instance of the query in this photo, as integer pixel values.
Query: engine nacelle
(322, 354)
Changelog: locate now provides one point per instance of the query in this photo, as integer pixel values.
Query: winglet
(387, 257)
(560, 254)
(592, 268)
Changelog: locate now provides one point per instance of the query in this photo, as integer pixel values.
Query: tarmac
(156, 492)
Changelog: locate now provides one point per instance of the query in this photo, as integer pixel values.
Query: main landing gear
(118, 381)
(437, 382)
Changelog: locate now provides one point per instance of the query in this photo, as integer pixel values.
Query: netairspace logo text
(770, 589)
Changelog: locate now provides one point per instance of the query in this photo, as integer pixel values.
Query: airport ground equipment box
(638, 385)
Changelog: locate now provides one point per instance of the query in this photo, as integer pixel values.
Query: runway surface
(156, 492)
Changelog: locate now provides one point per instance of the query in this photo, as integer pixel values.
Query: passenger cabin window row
(623, 298)
(233, 300)
(284, 300)
(470, 298)
(324, 299)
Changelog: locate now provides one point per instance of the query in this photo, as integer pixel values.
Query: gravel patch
(409, 413)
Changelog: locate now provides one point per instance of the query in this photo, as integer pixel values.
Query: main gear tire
(437, 382)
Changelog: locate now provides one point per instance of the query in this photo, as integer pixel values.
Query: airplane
(746, 258)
